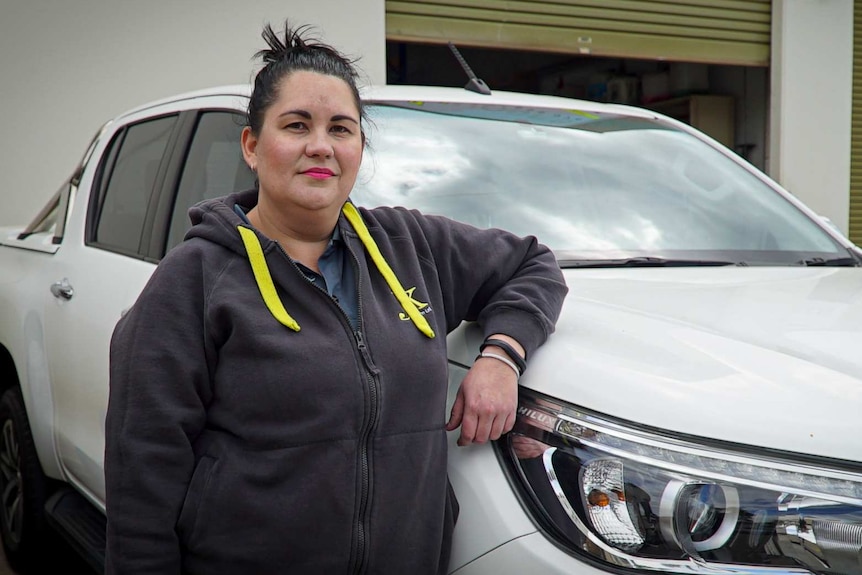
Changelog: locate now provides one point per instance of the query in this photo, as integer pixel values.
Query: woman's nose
(318, 144)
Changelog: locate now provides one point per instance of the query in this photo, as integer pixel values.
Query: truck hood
(769, 357)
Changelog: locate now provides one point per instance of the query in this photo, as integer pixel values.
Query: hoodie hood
(216, 221)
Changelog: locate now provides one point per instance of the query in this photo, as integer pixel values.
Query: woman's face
(309, 148)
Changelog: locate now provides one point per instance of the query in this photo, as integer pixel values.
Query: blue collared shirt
(337, 275)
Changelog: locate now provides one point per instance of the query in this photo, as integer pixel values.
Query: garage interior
(702, 62)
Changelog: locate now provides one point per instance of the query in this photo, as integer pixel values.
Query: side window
(130, 182)
(214, 167)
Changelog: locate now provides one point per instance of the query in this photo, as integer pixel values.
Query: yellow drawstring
(352, 215)
(270, 296)
(264, 279)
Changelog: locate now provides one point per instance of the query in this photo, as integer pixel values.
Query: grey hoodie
(235, 444)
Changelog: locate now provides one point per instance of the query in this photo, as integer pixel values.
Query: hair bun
(294, 39)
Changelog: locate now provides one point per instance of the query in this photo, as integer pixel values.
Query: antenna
(475, 84)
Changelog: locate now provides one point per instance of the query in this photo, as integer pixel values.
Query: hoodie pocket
(195, 494)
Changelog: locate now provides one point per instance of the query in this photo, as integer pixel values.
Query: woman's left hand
(486, 402)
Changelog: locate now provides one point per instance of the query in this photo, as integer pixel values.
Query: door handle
(62, 290)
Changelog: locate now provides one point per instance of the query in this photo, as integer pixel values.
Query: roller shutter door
(708, 31)
(856, 138)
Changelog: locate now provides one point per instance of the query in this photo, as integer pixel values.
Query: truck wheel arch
(8, 371)
(25, 487)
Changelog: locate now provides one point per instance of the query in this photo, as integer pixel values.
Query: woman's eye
(341, 129)
(295, 126)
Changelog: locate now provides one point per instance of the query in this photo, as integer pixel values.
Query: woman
(278, 390)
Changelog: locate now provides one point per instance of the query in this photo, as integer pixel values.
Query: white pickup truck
(698, 410)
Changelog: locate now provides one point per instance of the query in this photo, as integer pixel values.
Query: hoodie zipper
(359, 552)
(365, 463)
(360, 563)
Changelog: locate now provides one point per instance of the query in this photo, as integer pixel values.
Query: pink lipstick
(319, 173)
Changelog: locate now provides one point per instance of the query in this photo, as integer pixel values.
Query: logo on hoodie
(423, 307)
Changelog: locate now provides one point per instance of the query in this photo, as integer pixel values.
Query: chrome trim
(35, 225)
(66, 198)
(671, 513)
(62, 290)
(687, 448)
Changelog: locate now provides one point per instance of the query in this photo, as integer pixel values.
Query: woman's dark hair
(298, 51)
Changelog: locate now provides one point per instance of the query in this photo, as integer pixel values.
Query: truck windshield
(593, 187)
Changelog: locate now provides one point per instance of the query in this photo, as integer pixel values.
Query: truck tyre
(23, 486)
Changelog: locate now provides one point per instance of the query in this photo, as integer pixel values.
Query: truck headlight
(627, 497)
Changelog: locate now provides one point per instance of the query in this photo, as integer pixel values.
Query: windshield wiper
(831, 262)
(645, 262)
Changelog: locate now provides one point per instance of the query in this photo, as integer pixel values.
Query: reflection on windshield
(613, 186)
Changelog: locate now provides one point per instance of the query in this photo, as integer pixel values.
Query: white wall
(811, 103)
(68, 66)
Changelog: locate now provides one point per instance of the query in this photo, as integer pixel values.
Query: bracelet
(505, 360)
(510, 351)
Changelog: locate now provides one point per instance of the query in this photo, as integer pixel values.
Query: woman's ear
(248, 141)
